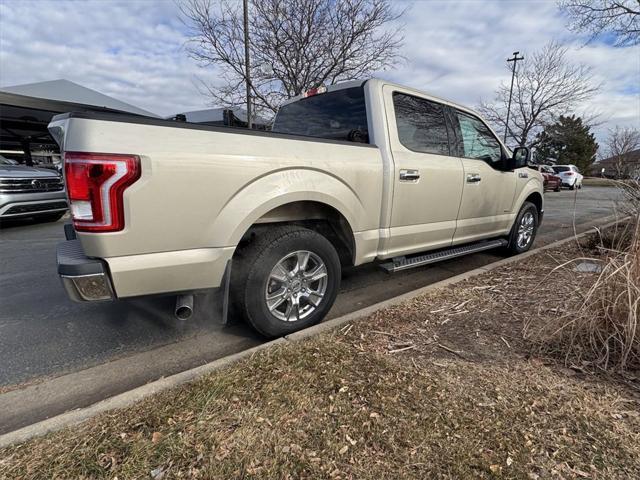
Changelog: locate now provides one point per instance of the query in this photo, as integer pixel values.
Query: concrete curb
(128, 398)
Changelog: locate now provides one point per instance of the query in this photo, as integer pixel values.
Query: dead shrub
(600, 326)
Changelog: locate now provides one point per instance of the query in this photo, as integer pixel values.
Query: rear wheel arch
(273, 198)
(319, 217)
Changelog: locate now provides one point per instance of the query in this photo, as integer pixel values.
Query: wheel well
(316, 216)
(536, 199)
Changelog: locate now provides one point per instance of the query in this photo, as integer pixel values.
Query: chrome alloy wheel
(525, 230)
(296, 286)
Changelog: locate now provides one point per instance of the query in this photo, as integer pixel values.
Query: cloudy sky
(134, 51)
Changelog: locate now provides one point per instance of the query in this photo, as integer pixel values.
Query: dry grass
(602, 329)
(598, 182)
(330, 408)
(603, 182)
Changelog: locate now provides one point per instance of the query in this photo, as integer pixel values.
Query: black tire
(572, 187)
(253, 265)
(515, 247)
(557, 189)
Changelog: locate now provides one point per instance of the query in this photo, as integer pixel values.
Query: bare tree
(296, 45)
(620, 17)
(620, 143)
(546, 86)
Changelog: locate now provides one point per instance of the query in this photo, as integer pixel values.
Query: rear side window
(338, 115)
(562, 169)
(421, 124)
(477, 140)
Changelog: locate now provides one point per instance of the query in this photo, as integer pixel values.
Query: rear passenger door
(428, 177)
(489, 189)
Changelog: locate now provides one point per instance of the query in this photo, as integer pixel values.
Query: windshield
(6, 161)
(338, 115)
(562, 169)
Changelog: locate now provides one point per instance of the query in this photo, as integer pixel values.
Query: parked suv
(570, 175)
(30, 192)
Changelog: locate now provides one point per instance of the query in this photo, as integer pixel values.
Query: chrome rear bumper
(85, 279)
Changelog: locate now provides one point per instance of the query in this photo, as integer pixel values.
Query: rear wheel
(286, 280)
(524, 229)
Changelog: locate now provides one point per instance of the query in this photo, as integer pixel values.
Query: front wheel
(524, 230)
(285, 280)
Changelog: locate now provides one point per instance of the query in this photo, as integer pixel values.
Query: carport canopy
(26, 110)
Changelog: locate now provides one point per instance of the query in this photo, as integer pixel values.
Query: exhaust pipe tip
(184, 307)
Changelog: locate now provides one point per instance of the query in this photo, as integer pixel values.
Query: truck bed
(202, 187)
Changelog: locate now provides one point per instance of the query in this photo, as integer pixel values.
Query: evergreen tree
(567, 141)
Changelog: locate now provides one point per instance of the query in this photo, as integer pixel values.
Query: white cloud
(130, 50)
(458, 50)
(134, 51)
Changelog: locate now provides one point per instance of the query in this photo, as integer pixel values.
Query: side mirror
(519, 159)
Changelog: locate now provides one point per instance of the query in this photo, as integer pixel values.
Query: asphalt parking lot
(123, 344)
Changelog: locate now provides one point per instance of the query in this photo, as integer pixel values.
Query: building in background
(619, 167)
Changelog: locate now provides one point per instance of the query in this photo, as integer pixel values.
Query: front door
(489, 190)
(428, 177)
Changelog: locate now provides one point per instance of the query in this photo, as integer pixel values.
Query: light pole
(513, 74)
(245, 5)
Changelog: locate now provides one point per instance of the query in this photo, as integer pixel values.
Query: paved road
(128, 343)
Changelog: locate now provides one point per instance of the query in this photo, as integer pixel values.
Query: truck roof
(359, 83)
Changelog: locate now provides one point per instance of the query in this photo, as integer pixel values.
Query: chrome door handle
(473, 178)
(409, 175)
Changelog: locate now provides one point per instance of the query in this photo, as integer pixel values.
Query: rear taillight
(95, 185)
(569, 174)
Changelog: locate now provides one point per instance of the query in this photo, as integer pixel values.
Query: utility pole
(513, 74)
(245, 4)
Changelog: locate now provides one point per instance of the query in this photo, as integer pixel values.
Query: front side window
(421, 124)
(477, 141)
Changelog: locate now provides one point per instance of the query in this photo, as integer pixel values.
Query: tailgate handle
(409, 175)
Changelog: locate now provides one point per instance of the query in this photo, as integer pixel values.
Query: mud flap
(221, 296)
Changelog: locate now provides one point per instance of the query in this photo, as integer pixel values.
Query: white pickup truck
(357, 172)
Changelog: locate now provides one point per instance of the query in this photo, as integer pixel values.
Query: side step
(404, 263)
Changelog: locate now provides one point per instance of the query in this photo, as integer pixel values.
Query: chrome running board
(405, 263)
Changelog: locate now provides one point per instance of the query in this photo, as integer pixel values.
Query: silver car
(30, 192)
